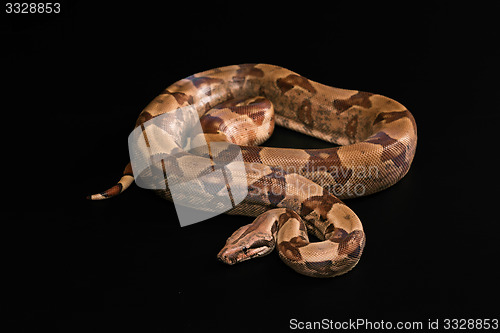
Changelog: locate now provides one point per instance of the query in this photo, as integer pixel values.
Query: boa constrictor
(240, 104)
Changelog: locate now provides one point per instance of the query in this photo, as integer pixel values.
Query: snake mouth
(228, 256)
(235, 255)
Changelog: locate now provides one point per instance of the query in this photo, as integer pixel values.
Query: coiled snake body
(240, 104)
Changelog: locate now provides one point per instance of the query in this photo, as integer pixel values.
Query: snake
(292, 192)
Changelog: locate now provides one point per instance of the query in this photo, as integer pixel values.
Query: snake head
(247, 242)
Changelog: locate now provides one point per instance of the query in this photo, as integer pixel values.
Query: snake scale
(294, 191)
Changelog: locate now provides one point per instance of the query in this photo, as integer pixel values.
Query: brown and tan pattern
(303, 188)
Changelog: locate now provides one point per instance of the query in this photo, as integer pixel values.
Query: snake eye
(244, 249)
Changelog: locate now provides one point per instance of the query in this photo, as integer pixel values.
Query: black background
(75, 83)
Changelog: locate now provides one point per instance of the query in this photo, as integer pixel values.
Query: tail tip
(121, 186)
(99, 196)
